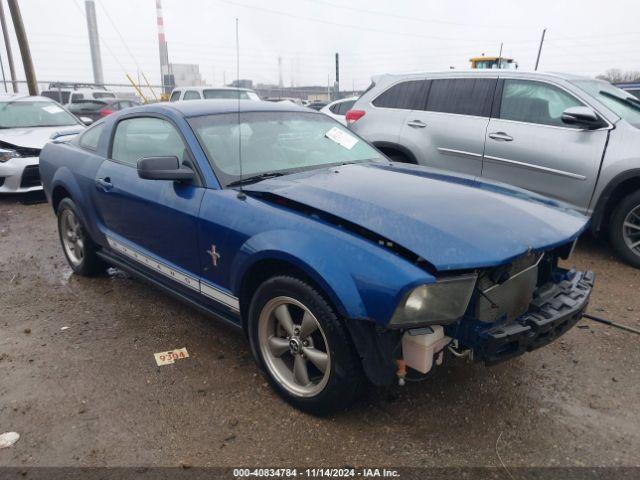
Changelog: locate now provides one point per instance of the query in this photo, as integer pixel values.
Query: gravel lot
(92, 395)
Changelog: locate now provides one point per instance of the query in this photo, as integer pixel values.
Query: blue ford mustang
(339, 264)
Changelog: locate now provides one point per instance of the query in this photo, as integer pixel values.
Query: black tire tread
(92, 264)
(347, 380)
(615, 229)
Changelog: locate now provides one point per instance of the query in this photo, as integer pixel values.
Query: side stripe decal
(189, 281)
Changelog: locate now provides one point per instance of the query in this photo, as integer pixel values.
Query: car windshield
(620, 102)
(275, 143)
(20, 113)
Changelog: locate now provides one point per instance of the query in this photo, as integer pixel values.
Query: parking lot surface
(81, 386)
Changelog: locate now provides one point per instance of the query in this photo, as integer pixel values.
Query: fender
(361, 279)
(608, 191)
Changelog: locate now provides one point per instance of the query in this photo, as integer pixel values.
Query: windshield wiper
(629, 101)
(255, 178)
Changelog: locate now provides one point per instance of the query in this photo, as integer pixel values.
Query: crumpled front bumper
(556, 307)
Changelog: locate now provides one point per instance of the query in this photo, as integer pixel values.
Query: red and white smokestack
(162, 43)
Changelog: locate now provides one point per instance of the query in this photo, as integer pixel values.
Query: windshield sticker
(341, 138)
(52, 109)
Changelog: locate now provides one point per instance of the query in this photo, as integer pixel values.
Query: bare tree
(615, 75)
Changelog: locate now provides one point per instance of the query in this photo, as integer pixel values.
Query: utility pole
(337, 85)
(280, 82)
(7, 43)
(500, 56)
(94, 42)
(540, 48)
(23, 43)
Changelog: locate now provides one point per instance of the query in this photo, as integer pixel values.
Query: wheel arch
(618, 188)
(271, 264)
(389, 148)
(58, 194)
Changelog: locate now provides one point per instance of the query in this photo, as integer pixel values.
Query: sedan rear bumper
(556, 307)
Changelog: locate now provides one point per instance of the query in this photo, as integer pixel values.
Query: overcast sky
(372, 36)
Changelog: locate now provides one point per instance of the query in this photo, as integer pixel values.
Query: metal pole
(94, 42)
(4, 80)
(7, 43)
(337, 89)
(500, 56)
(540, 48)
(23, 43)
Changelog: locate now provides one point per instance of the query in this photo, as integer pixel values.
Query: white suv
(212, 93)
(66, 94)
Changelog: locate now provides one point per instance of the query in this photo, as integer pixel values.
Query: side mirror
(164, 168)
(86, 120)
(582, 116)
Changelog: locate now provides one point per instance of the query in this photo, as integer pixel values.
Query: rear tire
(78, 248)
(624, 229)
(302, 346)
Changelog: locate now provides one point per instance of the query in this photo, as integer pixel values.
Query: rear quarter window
(90, 137)
(410, 95)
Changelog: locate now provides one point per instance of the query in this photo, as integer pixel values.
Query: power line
(413, 19)
(335, 24)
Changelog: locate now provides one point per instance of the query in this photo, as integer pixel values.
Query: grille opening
(30, 177)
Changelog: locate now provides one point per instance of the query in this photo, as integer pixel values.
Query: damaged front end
(510, 310)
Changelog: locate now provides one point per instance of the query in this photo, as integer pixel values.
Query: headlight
(437, 303)
(6, 155)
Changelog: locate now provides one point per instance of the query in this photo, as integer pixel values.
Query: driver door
(156, 220)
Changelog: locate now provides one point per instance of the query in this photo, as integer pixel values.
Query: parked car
(96, 109)
(212, 93)
(632, 87)
(572, 138)
(26, 124)
(69, 93)
(293, 100)
(317, 105)
(337, 263)
(339, 108)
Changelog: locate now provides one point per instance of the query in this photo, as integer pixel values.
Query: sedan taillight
(354, 115)
(105, 111)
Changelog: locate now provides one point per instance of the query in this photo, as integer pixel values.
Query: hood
(454, 222)
(32, 137)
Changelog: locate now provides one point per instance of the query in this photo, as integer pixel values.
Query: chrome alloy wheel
(72, 237)
(294, 346)
(631, 230)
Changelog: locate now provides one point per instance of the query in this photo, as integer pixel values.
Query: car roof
(196, 108)
(200, 88)
(23, 97)
(485, 72)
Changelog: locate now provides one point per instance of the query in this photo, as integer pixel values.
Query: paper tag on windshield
(341, 138)
(52, 109)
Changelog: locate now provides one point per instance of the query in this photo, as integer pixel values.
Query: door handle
(104, 184)
(501, 136)
(416, 124)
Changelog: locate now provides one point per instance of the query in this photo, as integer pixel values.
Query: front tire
(624, 229)
(298, 340)
(78, 248)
